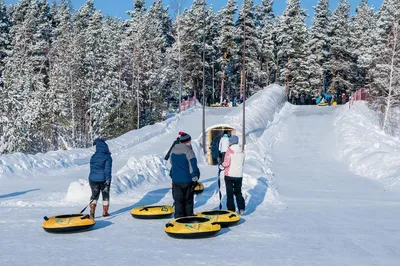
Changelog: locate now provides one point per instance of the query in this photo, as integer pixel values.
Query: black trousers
(234, 187)
(183, 194)
(98, 187)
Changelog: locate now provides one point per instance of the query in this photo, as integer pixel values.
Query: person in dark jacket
(100, 176)
(177, 141)
(185, 175)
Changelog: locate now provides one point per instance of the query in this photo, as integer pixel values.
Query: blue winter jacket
(100, 163)
(184, 164)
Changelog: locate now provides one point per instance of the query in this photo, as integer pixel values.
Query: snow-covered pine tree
(267, 34)
(5, 38)
(26, 77)
(155, 40)
(226, 42)
(134, 31)
(293, 49)
(361, 32)
(386, 76)
(5, 47)
(250, 44)
(341, 60)
(319, 46)
(384, 22)
(61, 76)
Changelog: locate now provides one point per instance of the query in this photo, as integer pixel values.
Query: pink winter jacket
(233, 161)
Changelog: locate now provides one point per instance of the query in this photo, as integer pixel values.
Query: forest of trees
(68, 77)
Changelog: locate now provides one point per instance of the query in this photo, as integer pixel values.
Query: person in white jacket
(233, 163)
(223, 146)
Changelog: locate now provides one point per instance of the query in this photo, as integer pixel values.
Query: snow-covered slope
(365, 147)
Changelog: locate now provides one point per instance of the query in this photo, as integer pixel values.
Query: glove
(107, 183)
(195, 184)
(195, 179)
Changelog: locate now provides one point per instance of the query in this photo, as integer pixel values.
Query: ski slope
(320, 183)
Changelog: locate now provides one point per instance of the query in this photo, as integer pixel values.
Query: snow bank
(262, 124)
(139, 171)
(22, 165)
(365, 147)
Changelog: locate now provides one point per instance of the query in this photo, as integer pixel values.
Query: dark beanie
(185, 138)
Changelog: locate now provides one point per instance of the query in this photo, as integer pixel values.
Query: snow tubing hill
(152, 212)
(192, 227)
(222, 217)
(69, 223)
(198, 189)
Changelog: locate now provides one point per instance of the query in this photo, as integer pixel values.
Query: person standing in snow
(233, 164)
(223, 145)
(185, 175)
(100, 176)
(177, 141)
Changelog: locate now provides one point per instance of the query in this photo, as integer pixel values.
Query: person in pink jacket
(233, 163)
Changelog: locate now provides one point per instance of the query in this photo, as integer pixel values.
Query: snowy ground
(315, 194)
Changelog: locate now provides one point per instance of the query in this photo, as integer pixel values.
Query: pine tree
(319, 46)
(249, 49)
(266, 18)
(292, 54)
(362, 28)
(341, 59)
(227, 42)
(386, 77)
(5, 47)
(5, 38)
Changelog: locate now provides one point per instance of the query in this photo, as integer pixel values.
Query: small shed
(213, 136)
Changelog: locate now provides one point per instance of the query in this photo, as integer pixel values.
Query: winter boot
(92, 210)
(105, 211)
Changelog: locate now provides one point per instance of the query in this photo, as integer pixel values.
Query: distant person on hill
(233, 163)
(223, 145)
(100, 176)
(185, 175)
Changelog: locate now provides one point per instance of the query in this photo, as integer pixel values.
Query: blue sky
(119, 7)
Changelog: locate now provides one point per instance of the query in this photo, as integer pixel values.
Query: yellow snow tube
(198, 189)
(192, 227)
(222, 217)
(69, 223)
(322, 104)
(152, 212)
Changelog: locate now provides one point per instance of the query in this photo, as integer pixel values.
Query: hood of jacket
(102, 147)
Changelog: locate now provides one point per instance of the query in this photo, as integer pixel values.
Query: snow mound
(22, 165)
(138, 171)
(362, 144)
(78, 191)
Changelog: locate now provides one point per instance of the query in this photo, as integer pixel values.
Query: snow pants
(234, 187)
(97, 188)
(183, 194)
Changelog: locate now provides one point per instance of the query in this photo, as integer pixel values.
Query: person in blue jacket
(185, 175)
(100, 176)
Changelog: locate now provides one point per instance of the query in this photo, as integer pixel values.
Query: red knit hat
(181, 133)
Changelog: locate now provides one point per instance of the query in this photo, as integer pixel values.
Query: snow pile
(21, 165)
(262, 123)
(365, 147)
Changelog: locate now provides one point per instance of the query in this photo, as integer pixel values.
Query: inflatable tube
(322, 104)
(222, 217)
(152, 212)
(198, 189)
(69, 223)
(192, 227)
